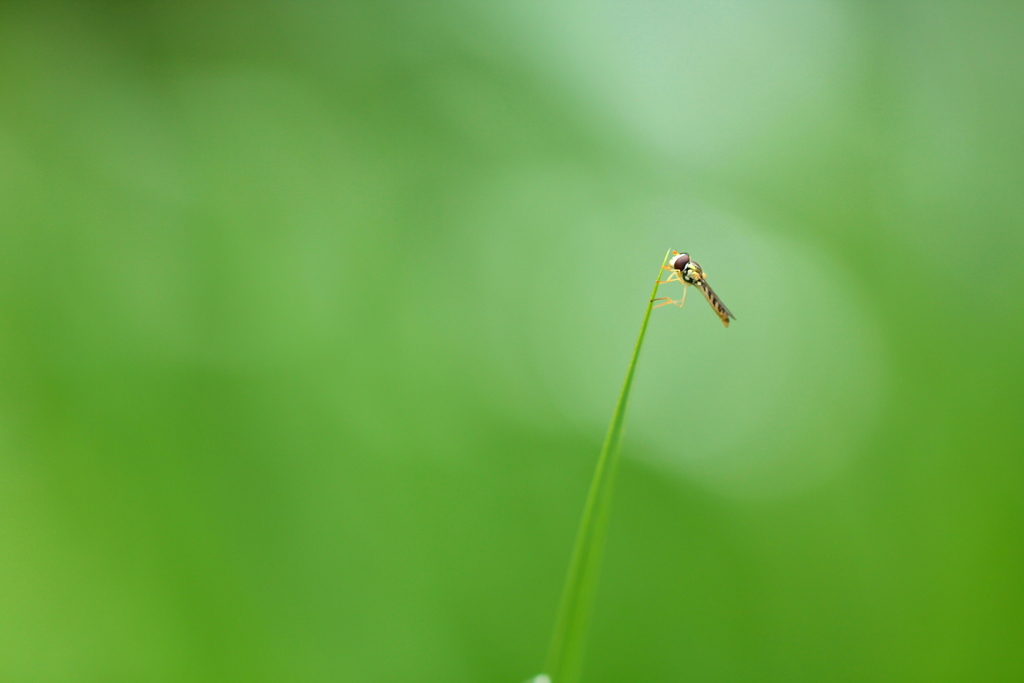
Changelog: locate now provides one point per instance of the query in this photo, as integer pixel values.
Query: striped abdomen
(715, 302)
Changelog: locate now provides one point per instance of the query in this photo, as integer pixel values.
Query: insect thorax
(692, 273)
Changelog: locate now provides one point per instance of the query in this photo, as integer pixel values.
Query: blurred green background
(313, 315)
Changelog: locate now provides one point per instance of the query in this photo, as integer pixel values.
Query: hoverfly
(690, 273)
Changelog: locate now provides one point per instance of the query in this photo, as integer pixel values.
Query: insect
(690, 273)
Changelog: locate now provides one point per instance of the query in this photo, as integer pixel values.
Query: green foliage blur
(313, 315)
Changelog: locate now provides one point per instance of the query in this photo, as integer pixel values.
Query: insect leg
(669, 300)
(674, 277)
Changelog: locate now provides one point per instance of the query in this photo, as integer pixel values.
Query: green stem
(565, 655)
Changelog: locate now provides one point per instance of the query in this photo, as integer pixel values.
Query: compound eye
(679, 262)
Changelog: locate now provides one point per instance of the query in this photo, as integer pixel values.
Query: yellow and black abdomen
(716, 303)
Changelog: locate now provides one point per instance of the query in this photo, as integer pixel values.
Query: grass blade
(565, 655)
